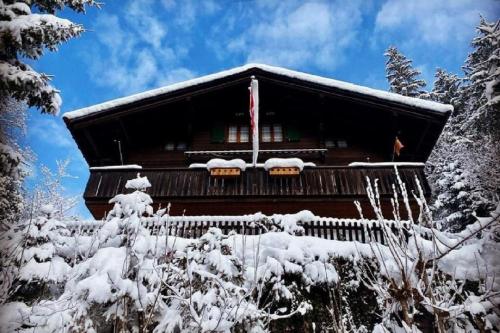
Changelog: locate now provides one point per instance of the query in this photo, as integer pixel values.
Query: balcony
(318, 182)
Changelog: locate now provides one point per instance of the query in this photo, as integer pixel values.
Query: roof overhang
(182, 90)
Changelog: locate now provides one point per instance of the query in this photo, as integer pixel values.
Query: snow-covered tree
(27, 29)
(446, 88)
(482, 66)
(50, 189)
(401, 75)
(463, 167)
(12, 158)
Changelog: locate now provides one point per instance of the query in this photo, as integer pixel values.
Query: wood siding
(326, 191)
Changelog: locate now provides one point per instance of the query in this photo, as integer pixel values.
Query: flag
(254, 118)
(398, 146)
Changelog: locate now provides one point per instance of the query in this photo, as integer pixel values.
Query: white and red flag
(254, 118)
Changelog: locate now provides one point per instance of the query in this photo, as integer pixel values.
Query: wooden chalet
(327, 122)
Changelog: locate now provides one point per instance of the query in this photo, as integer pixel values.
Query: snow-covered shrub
(123, 278)
(442, 279)
(35, 257)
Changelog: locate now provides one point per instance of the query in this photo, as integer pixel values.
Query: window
(277, 133)
(238, 134)
(232, 134)
(272, 133)
(335, 143)
(266, 133)
(244, 134)
(171, 146)
(330, 144)
(342, 144)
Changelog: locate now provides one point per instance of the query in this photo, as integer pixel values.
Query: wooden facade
(332, 127)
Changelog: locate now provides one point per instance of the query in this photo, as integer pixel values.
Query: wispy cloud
(433, 22)
(50, 130)
(291, 33)
(135, 51)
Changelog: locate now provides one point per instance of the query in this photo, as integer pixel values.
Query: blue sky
(135, 45)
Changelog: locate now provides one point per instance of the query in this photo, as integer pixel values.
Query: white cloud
(134, 51)
(50, 130)
(293, 33)
(433, 22)
(187, 11)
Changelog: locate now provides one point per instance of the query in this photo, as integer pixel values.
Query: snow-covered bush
(123, 278)
(425, 276)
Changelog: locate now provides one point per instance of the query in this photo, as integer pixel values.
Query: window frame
(238, 133)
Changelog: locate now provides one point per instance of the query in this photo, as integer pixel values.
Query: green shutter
(292, 134)
(217, 133)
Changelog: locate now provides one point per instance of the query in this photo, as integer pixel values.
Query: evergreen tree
(463, 167)
(482, 66)
(401, 75)
(24, 34)
(12, 156)
(446, 88)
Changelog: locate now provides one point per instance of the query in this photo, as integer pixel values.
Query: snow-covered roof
(350, 87)
(386, 164)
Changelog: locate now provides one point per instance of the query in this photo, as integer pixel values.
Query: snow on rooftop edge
(378, 164)
(438, 107)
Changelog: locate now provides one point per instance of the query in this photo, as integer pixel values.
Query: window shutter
(217, 133)
(292, 134)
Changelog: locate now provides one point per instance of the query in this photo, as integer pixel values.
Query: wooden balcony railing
(314, 182)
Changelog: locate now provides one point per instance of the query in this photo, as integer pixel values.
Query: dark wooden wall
(327, 191)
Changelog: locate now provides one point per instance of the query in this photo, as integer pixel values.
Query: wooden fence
(327, 228)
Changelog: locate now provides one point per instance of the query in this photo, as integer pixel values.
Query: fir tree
(463, 167)
(24, 34)
(401, 75)
(12, 156)
(482, 66)
(446, 88)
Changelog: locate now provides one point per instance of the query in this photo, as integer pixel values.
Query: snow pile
(286, 163)
(292, 223)
(221, 163)
(139, 183)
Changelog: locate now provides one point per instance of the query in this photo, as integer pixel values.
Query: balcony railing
(314, 182)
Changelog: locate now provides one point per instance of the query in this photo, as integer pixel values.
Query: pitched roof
(327, 82)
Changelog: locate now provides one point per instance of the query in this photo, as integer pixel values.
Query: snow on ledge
(118, 167)
(392, 164)
(410, 101)
(215, 163)
(286, 163)
(242, 165)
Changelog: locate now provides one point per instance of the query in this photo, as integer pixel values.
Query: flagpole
(254, 118)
